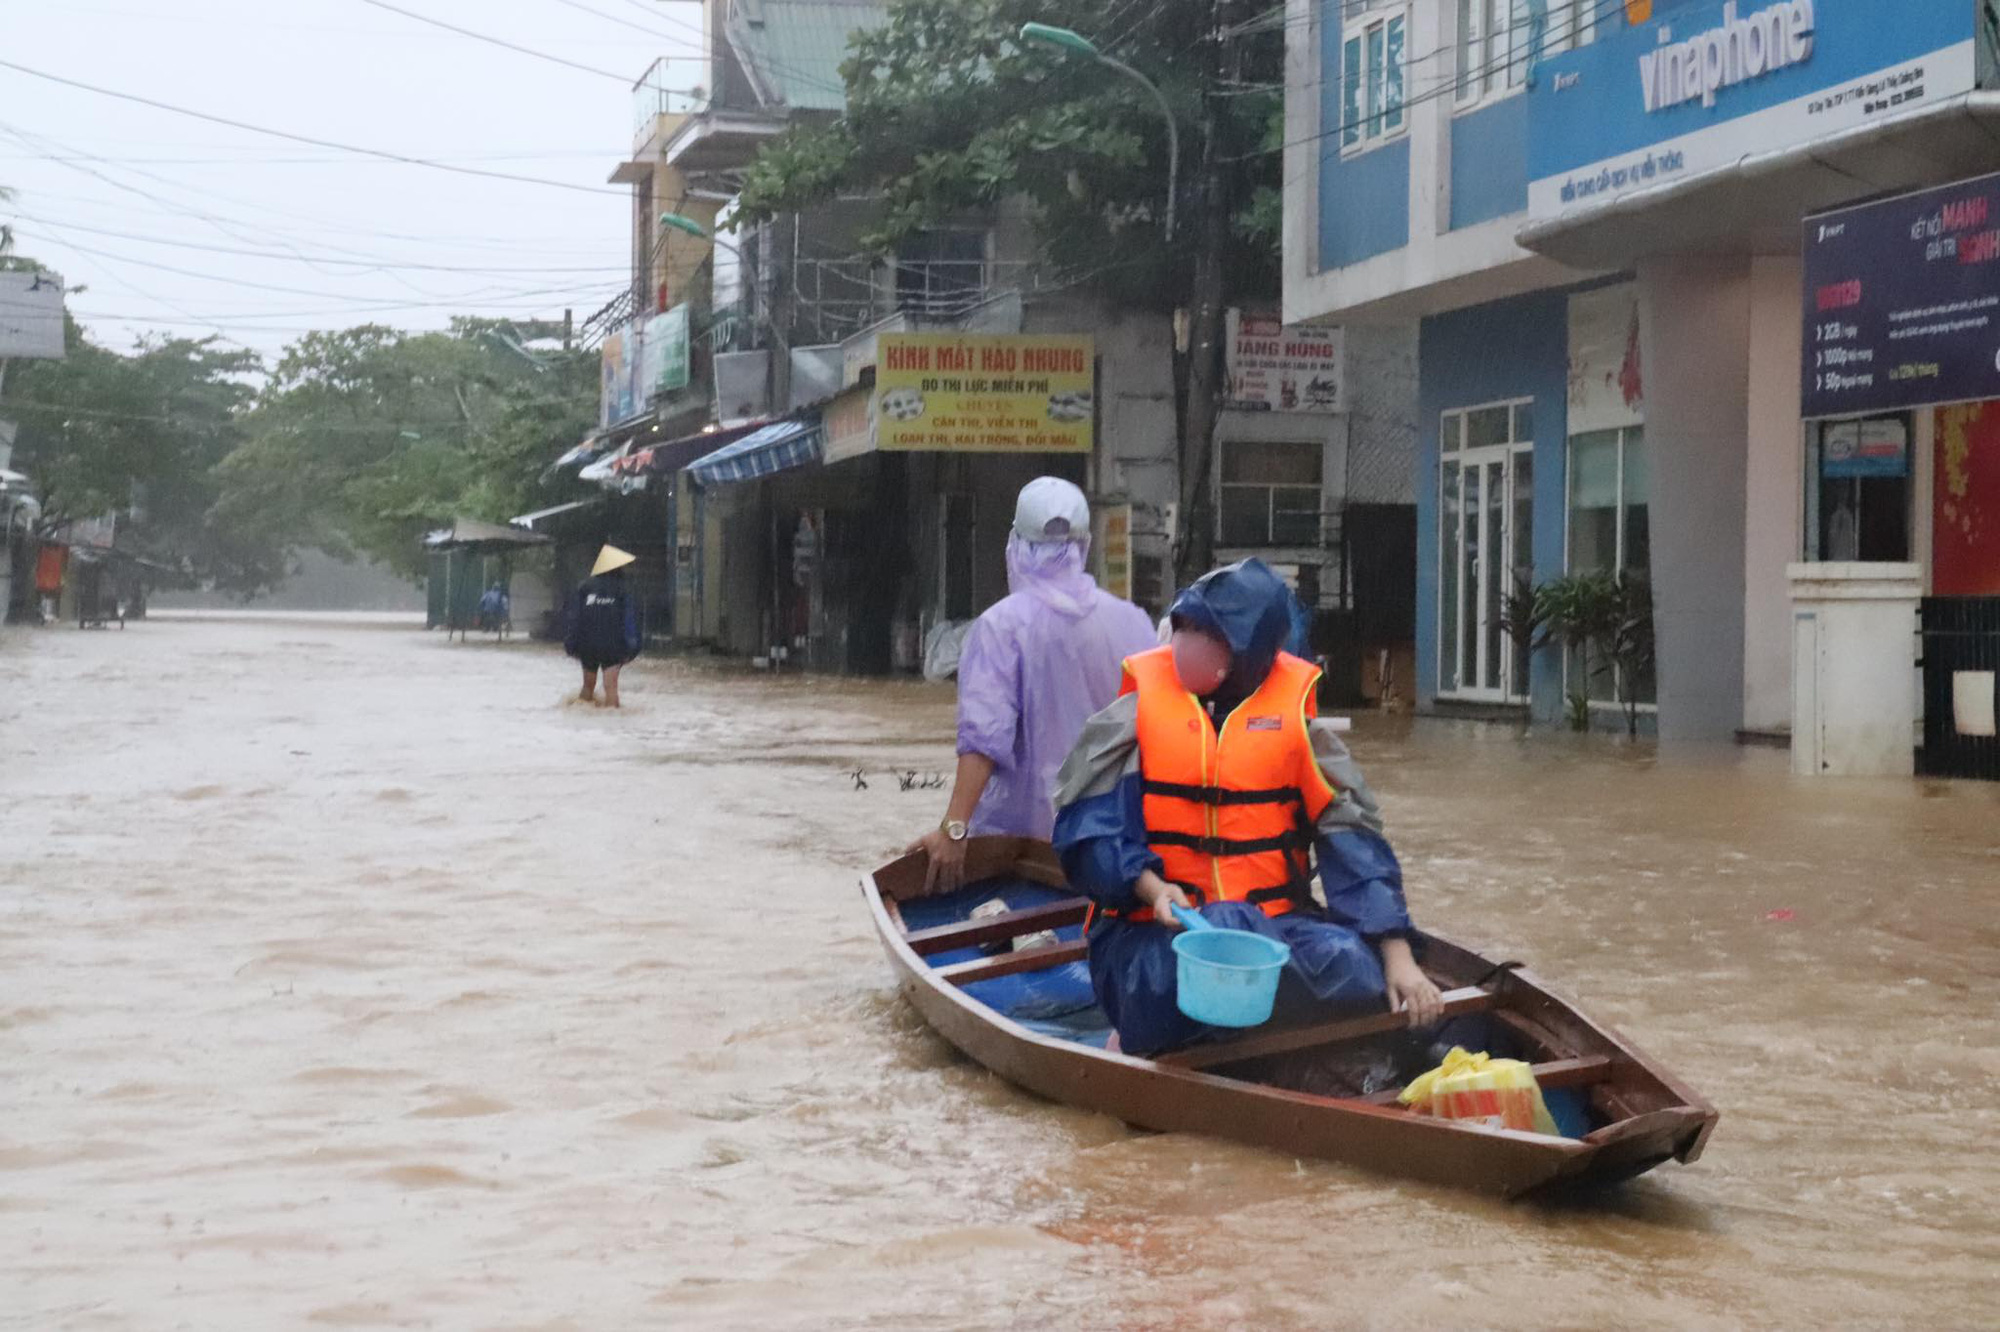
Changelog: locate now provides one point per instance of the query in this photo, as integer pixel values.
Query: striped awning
(776, 447)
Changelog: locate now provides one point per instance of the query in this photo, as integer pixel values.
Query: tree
(367, 437)
(137, 435)
(949, 112)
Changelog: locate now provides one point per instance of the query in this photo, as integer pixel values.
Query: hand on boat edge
(1410, 990)
(944, 870)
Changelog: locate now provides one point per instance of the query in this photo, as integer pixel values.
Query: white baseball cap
(1051, 509)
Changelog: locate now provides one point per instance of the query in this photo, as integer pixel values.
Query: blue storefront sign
(1699, 86)
(1902, 302)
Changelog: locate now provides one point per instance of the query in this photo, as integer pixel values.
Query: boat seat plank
(1010, 964)
(1457, 1003)
(992, 929)
(1556, 1075)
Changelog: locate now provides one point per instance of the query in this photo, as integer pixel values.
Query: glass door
(1485, 512)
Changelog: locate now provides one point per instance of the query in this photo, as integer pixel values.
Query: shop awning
(675, 455)
(541, 518)
(471, 534)
(765, 452)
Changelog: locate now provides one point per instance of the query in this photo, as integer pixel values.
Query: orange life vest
(1230, 810)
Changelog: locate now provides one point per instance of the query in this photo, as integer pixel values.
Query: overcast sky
(152, 211)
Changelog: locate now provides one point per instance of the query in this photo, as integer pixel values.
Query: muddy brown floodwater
(351, 979)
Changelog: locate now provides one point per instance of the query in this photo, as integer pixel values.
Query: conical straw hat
(611, 558)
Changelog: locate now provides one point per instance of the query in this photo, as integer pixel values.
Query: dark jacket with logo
(603, 622)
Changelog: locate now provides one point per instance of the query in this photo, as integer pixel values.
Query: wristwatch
(954, 829)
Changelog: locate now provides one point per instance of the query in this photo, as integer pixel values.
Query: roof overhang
(1756, 204)
(720, 141)
(634, 172)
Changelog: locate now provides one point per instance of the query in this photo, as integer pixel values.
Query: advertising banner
(1277, 369)
(1114, 550)
(1902, 302)
(1693, 86)
(614, 388)
(849, 421)
(1607, 385)
(1965, 514)
(666, 352)
(985, 393)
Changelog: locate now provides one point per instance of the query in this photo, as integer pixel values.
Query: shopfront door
(1486, 522)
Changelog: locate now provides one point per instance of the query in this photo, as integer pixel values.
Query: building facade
(1600, 218)
(823, 462)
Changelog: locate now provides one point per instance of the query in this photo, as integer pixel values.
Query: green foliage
(949, 112)
(1607, 620)
(359, 440)
(367, 437)
(1524, 620)
(137, 434)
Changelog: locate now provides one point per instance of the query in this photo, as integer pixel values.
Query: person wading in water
(603, 625)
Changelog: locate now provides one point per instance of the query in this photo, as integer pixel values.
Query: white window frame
(1455, 421)
(1491, 61)
(1317, 448)
(1378, 123)
(1624, 434)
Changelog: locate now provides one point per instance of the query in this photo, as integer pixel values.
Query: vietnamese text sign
(1114, 550)
(1697, 86)
(1902, 301)
(985, 392)
(1277, 369)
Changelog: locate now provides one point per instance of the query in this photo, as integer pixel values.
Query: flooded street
(353, 979)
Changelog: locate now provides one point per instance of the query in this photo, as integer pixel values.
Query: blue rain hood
(1247, 606)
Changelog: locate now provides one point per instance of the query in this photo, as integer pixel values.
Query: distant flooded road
(352, 979)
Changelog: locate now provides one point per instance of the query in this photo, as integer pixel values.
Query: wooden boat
(1291, 1088)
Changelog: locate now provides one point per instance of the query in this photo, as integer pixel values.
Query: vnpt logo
(1735, 52)
(1638, 11)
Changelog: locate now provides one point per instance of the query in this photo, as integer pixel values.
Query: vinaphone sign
(1696, 86)
(1733, 52)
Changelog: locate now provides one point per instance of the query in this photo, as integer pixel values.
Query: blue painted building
(1594, 212)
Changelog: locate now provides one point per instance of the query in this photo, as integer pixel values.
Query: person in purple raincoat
(1034, 668)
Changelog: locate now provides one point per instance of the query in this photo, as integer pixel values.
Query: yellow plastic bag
(1478, 1089)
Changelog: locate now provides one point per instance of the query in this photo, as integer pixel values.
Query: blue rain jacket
(1100, 837)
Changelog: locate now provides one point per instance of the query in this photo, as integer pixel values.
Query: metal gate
(1961, 663)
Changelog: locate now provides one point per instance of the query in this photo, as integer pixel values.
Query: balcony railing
(671, 86)
(840, 297)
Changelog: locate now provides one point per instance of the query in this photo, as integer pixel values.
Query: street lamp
(1078, 44)
(681, 222)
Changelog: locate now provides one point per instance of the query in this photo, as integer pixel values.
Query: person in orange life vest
(1208, 784)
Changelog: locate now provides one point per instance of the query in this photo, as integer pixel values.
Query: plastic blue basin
(1228, 978)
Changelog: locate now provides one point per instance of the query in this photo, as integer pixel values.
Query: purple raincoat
(1035, 667)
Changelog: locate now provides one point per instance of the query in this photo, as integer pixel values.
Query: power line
(496, 41)
(307, 138)
(711, 46)
(322, 160)
(1451, 85)
(526, 246)
(220, 224)
(345, 263)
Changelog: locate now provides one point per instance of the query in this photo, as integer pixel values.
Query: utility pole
(1195, 542)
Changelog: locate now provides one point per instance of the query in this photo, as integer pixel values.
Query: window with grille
(1270, 493)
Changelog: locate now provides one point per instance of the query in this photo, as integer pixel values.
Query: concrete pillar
(1695, 350)
(1773, 490)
